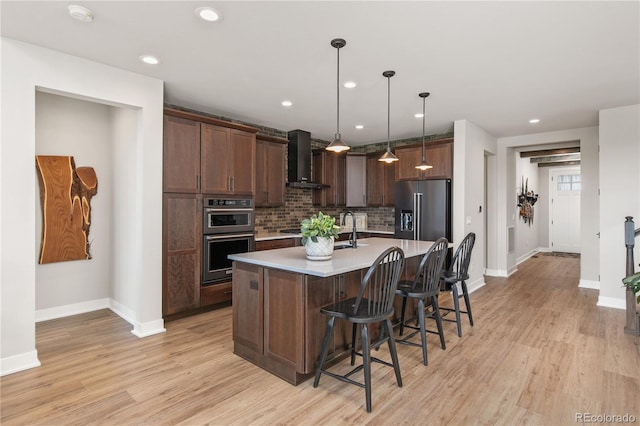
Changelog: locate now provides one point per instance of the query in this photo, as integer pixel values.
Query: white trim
(149, 328)
(72, 309)
(595, 285)
(612, 302)
(526, 256)
(512, 270)
(471, 287)
(20, 362)
(544, 249)
(496, 273)
(139, 329)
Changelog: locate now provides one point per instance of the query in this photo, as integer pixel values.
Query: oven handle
(227, 237)
(227, 210)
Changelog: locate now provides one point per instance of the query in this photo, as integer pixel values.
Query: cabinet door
(409, 158)
(318, 196)
(216, 160)
(356, 180)
(248, 304)
(380, 182)
(441, 158)
(275, 179)
(389, 184)
(339, 180)
(261, 198)
(243, 162)
(181, 155)
(181, 241)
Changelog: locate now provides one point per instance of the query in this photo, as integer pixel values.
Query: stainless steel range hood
(299, 161)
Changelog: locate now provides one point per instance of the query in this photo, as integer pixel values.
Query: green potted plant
(632, 282)
(318, 234)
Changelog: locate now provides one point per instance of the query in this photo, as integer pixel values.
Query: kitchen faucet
(354, 235)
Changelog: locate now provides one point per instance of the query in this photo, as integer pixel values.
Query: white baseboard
(544, 249)
(122, 311)
(20, 362)
(512, 270)
(496, 273)
(140, 329)
(595, 285)
(526, 256)
(72, 309)
(612, 302)
(473, 286)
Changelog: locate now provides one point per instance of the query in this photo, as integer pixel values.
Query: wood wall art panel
(65, 196)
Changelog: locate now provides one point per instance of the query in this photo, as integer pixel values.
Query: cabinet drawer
(275, 244)
(217, 293)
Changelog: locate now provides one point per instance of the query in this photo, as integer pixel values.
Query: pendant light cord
(388, 111)
(423, 128)
(338, 97)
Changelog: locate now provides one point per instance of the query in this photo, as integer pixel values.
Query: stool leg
(393, 352)
(465, 293)
(366, 361)
(323, 351)
(354, 329)
(404, 308)
(456, 306)
(436, 312)
(423, 334)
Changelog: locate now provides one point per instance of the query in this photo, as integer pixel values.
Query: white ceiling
(497, 64)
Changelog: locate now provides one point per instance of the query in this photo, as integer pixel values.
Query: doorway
(564, 227)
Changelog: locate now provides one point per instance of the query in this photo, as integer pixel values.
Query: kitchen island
(277, 296)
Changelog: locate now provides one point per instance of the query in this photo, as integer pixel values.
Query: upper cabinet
(206, 155)
(356, 180)
(270, 171)
(380, 181)
(329, 168)
(181, 155)
(438, 153)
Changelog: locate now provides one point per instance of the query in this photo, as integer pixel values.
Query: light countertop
(345, 260)
(263, 236)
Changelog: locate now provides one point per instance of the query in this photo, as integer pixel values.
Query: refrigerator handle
(416, 216)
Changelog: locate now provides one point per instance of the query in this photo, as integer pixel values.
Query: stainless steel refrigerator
(423, 209)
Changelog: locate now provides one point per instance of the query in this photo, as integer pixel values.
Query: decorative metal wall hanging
(526, 199)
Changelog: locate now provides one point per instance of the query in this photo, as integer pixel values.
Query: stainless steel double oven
(228, 228)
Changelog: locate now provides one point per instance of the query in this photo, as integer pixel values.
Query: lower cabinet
(214, 294)
(278, 243)
(181, 241)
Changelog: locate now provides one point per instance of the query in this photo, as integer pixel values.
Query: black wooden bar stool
(374, 304)
(424, 287)
(459, 272)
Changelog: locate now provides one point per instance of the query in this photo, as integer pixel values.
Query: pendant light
(337, 145)
(388, 156)
(423, 164)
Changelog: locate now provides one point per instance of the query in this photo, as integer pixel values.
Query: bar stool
(425, 285)
(374, 304)
(459, 272)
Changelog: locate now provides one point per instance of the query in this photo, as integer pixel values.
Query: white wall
(619, 196)
(24, 70)
(67, 126)
(527, 242)
(542, 208)
(470, 145)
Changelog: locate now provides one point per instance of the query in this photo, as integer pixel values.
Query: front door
(565, 210)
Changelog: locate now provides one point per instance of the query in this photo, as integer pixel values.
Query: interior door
(565, 210)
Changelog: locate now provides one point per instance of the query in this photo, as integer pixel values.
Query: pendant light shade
(423, 164)
(337, 145)
(388, 156)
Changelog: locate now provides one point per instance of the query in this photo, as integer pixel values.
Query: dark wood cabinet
(380, 182)
(228, 160)
(278, 243)
(437, 153)
(181, 235)
(270, 171)
(181, 155)
(329, 168)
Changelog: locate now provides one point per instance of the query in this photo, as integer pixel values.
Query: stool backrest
(427, 279)
(378, 287)
(462, 257)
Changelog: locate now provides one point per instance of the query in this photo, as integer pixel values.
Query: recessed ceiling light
(209, 14)
(80, 13)
(534, 120)
(359, 126)
(287, 103)
(149, 59)
(418, 115)
(350, 84)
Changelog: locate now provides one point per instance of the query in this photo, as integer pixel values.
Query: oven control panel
(229, 202)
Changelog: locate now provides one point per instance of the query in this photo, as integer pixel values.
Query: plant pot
(322, 250)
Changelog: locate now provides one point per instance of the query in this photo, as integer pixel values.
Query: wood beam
(559, 163)
(546, 152)
(555, 158)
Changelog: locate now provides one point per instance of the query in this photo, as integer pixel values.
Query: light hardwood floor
(540, 352)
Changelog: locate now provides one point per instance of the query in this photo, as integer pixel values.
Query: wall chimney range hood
(299, 161)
